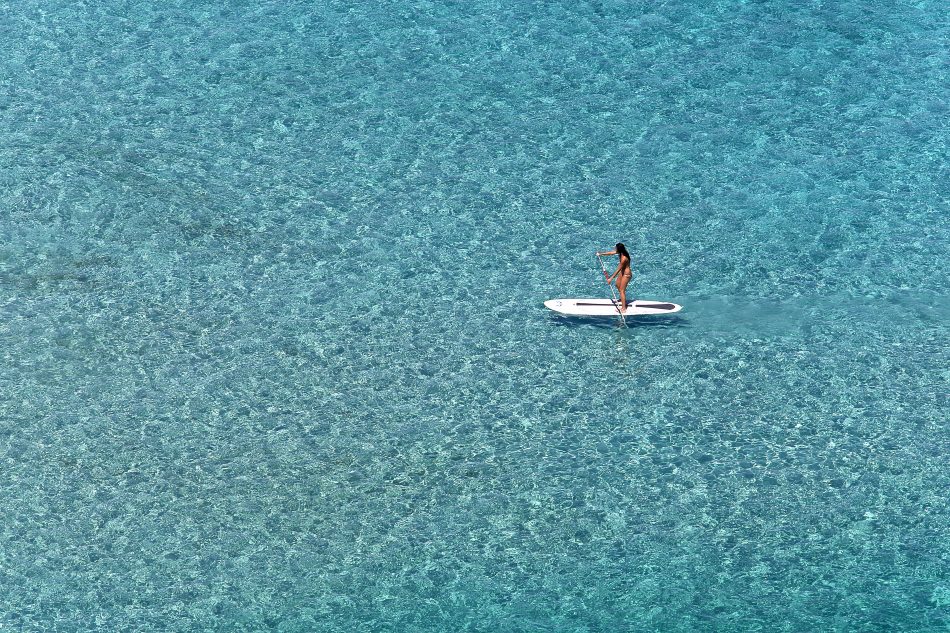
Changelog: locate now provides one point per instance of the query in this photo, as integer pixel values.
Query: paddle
(612, 293)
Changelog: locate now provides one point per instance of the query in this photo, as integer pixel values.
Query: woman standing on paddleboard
(622, 274)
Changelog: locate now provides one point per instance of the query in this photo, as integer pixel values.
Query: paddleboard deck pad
(607, 307)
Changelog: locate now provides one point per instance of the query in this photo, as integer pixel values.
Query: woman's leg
(622, 287)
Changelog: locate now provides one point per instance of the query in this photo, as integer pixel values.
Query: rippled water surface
(274, 355)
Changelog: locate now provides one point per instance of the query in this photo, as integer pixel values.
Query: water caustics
(274, 350)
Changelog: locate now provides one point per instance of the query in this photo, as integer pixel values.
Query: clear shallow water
(274, 355)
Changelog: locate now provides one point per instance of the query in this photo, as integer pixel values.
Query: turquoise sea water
(273, 349)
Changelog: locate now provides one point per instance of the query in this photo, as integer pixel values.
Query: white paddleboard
(607, 307)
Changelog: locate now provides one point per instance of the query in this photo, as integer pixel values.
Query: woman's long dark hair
(622, 250)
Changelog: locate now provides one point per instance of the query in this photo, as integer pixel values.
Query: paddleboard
(607, 307)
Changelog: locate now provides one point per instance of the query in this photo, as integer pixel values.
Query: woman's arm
(608, 253)
(616, 272)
